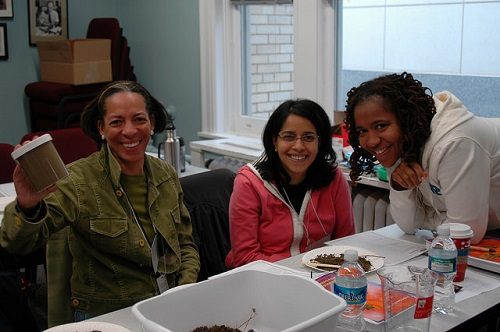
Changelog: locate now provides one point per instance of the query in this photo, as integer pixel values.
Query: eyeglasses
(291, 137)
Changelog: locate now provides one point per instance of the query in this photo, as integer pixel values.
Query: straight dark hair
(321, 172)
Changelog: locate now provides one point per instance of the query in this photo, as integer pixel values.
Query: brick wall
(271, 57)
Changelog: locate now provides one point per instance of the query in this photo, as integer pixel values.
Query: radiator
(232, 164)
(370, 208)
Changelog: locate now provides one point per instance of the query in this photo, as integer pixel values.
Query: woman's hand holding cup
(28, 197)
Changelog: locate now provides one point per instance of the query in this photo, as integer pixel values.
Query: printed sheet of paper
(395, 251)
(474, 284)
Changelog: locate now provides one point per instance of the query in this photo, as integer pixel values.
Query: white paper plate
(87, 326)
(377, 262)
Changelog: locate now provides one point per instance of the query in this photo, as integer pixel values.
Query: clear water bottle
(443, 262)
(350, 284)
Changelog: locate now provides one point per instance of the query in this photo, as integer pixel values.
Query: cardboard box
(76, 61)
(76, 73)
(75, 50)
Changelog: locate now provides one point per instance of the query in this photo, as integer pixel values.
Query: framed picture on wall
(48, 20)
(6, 8)
(4, 53)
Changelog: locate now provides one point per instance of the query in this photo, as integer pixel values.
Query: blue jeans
(80, 316)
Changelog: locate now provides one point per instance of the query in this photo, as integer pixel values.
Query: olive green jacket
(111, 259)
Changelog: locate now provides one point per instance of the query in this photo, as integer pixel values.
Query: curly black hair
(321, 172)
(94, 111)
(413, 106)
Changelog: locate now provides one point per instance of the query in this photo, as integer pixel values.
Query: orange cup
(461, 234)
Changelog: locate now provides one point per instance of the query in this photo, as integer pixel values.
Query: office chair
(8, 164)
(206, 196)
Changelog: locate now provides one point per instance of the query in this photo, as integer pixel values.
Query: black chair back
(206, 196)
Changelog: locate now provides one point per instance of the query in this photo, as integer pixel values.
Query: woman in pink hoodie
(293, 198)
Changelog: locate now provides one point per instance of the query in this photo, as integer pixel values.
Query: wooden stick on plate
(372, 256)
(316, 264)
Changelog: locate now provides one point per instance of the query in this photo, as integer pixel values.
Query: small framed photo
(4, 53)
(48, 20)
(6, 8)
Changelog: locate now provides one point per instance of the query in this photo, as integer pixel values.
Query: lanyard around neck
(136, 219)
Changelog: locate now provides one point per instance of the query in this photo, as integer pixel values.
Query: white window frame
(315, 65)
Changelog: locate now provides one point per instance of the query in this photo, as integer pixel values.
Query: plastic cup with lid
(461, 234)
(41, 162)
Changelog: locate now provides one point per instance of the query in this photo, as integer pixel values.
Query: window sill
(243, 148)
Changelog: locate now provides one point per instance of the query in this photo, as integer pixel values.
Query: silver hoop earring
(152, 132)
(103, 138)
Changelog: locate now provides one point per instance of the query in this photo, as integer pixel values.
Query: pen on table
(482, 249)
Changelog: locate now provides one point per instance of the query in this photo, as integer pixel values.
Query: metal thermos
(172, 149)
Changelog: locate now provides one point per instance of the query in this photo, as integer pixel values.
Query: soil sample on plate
(217, 328)
(333, 259)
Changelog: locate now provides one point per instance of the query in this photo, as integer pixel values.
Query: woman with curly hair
(442, 161)
(293, 198)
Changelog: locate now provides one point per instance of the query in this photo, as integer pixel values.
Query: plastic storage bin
(281, 303)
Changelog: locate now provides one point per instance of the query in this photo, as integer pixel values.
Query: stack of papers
(487, 260)
(395, 251)
(3, 203)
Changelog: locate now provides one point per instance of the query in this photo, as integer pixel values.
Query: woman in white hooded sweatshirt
(442, 161)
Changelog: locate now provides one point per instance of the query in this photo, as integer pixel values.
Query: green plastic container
(382, 173)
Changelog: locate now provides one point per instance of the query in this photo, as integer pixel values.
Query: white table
(469, 314)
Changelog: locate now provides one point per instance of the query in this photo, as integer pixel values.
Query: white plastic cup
(41, 162)
(461, 234)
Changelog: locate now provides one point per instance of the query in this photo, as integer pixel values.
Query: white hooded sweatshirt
(462, 157)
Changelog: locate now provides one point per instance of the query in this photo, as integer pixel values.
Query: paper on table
(7, 189)
(489, 261)
(474, 284)
(395, 251)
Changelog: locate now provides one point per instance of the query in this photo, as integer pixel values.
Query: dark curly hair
(321, 172)
(413, 106)
(95, 110)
